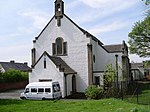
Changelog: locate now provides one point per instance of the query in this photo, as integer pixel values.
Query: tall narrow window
(33, 56)
(59, 45)
(44, 62)
(54, 48)
(65, 48)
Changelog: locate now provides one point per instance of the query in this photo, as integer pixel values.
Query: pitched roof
(114, 48)
(137, 65)
(61, 64)
(17, 66)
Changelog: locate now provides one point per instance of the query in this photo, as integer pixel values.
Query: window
(97, 80)
(33, 90)
(58, 87)
(54, 88)
(94, 58)
(59, 47)
(47, 90)
(40, 90)
(27, 90)
(33, 56)
(44, 62)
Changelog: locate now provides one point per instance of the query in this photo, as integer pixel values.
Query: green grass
(106, 105)
(143, 98)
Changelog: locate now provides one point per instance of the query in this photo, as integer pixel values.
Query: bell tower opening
(59, 11)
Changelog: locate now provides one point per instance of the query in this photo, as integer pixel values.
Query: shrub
(93, 92)
(13, 76)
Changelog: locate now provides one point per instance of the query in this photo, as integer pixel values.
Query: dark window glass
(47, 90)
(94, 58)
(59, 44)
(45, 62)
(58, 87)
(33, 56)
(54, 48)
(65, 48)
(40, 90)
(27, 90)
(97, 81)
(33, 90)
(54, 88)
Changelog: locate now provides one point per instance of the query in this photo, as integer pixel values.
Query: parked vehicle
(42, 90)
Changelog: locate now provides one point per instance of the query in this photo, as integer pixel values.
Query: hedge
(13, 76)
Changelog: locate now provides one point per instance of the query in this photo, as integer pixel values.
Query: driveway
(12, 94)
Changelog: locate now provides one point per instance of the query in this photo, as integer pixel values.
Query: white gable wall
(103, 58)
(77, 57)
(51, 72)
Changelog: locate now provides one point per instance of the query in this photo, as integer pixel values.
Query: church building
(66, 53)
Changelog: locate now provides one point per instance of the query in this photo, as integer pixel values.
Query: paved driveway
(13, 94)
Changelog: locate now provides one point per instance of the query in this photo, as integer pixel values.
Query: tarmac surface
(12, 94)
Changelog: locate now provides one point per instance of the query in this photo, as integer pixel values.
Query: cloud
(109, 27)
(99, 9)
(38, 17)
(109, 4)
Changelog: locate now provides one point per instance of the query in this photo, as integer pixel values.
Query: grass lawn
(143, 98)
(106, 105)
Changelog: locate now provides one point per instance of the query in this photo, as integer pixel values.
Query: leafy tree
(147, 2)
(139, 40)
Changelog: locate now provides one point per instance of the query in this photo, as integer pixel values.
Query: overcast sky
(22, 20)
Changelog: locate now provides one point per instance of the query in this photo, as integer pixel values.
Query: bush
(93, 92)
(13, 76)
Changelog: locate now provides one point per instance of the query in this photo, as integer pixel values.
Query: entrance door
(73, 84)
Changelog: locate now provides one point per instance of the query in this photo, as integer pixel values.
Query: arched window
(59, 47)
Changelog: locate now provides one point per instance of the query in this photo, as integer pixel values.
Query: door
(73, 84)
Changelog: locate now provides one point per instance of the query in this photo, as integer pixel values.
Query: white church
(66, 53)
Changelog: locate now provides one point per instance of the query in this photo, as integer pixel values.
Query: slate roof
(61, 64)
(114, 48)
(137, 65)
(17, 66)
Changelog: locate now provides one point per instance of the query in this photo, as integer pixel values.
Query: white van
(42, 90)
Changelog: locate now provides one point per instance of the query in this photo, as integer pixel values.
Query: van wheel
(43, 99)
(23, 98)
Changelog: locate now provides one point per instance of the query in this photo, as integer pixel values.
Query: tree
(139, 40)
(147, 2)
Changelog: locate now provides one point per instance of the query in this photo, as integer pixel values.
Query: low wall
(9, 86)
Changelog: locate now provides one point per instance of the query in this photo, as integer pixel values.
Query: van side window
(33, 90)
(27, 90)
(40, 90)
(47, 90)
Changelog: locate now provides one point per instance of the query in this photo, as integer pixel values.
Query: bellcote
(59, 11)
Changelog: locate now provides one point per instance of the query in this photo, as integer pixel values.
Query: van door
(56, 91)
(34, 94)
(41, 93)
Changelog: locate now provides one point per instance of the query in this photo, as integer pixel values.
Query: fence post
(121, 90)
(137, 86)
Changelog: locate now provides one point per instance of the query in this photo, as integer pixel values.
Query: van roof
(37, 84)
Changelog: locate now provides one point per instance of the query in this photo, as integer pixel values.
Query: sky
(22, 20)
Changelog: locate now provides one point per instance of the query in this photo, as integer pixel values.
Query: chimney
(25, 63)
(12, 61)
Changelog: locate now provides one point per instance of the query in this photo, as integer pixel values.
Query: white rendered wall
(77, 57)
(51, 72)
(103, 58)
